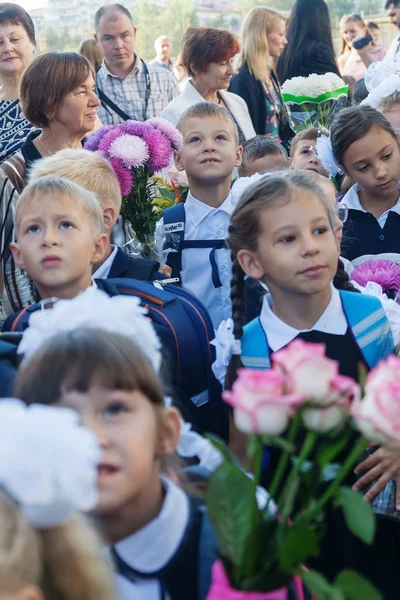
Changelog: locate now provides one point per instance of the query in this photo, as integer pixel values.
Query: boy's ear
(170, 431)
(178, 161)
(110, 216)
(239, 154)
(16, 252)
(250, 264)
(100, 246)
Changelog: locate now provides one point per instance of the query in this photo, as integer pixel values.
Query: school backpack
(185, 331)
(367, 320)
(8, 363)
(174, 219)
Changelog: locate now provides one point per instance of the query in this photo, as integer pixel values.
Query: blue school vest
(365, 316)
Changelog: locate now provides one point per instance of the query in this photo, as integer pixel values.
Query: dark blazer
(244, 84)
(314, 57)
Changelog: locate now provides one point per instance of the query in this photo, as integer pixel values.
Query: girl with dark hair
(366, 148)
(17, 46)
(282, 233)
(310, 46)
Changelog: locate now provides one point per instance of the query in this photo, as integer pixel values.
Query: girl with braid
(282, 232)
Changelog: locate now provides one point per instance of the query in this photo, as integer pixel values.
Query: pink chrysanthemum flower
(170, 132)
(107, 139)
(93, 141)
(160, 150)
(384, 272)
(131, 149)
(139, 128)
(124, 175)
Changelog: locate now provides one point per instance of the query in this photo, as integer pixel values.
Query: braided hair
(245, 230)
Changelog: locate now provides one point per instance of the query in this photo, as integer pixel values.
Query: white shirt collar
(280, 334)
(197, 211)
(153, 546)
(352, 201)
(104, 269)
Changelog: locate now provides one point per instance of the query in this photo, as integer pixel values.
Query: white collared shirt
(153, 546)
(352, 201)
(104, 270)
(204, 222)
(280, 334)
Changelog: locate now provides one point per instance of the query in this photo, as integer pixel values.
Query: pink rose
(377, 415)
(178, 177)
(261, 402)
(310, 371)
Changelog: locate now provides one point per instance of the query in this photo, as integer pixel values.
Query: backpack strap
(369, 325)
(174, 230)
(255, 350)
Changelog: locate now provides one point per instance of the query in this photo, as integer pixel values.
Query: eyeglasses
(342, 212)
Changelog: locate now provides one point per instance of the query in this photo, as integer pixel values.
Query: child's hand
(165, 270)
(382, 466)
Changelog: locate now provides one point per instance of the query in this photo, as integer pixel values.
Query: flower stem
(350, 461)
(307, 448)
(283, 462)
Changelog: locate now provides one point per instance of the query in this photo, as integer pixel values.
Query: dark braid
(341, 280)
(237, 299)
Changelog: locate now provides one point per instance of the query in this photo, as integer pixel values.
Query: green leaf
(299, 542)
(230, 502)
(357, 513)
(320, 587)
(279, 442)
(355, 587)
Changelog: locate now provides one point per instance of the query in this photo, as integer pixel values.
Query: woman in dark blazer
(310, 46)
(263, 39)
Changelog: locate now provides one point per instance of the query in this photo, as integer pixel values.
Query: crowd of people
(259, 254)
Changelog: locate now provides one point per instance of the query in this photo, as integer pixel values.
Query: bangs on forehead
(80, 359)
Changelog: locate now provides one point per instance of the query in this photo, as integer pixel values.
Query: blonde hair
(67, 562)
(389, 103)
(344, 49)
(55, 186)
(259, 22)
(88, 169)
(92, 52)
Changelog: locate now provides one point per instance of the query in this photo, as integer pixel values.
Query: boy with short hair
(192, 235)
(60, 233)
(95, 174)
(303, 152)
(262, 154)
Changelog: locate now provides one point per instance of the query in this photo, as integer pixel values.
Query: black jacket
(314, 57)
(244, 84)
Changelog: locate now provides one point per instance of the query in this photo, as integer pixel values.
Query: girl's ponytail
(238, 312)
(341, 281)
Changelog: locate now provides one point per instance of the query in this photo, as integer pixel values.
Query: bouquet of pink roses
(261, 555)
(137, 150)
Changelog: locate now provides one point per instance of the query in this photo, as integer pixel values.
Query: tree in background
(171, 19)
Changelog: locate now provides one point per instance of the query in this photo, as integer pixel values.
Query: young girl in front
(366, 148)
(158, 538)
(282, 233)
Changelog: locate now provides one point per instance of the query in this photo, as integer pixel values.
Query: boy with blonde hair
(94, 173)
(192, 235)
(60, 233)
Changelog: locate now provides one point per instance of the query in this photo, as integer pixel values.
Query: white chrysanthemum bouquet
(313, 99)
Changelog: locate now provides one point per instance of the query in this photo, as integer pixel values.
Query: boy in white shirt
(191, 236)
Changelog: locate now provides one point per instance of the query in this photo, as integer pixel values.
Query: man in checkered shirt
(139, 91)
